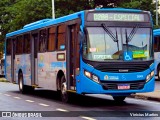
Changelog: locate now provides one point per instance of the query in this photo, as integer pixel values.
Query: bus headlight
(91, 76)
(149, 76)
(88, 74)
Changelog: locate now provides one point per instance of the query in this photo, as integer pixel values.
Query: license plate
(123, 86)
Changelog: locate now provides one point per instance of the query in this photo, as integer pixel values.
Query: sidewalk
(155, 96)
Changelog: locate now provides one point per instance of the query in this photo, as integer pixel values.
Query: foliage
(147, 5)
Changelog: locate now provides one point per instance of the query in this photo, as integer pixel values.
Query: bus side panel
(8, 68)
(48, 67)
(23, 62)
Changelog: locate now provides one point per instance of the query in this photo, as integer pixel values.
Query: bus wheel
(158, 73)
(64, 94)
(22, 88)
(119, 98)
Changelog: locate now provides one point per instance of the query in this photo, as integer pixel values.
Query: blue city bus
(99, 51)
(156, 34)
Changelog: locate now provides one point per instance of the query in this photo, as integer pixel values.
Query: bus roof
(45, 23)
(156, 32)
(48, 22)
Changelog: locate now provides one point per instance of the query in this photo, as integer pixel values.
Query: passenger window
(27, 43)
(42, 40)
(61, 37)
(9, 47)
(51, 39)
(19, 45)
(157, 44)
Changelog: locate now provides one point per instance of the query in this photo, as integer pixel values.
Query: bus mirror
(80, 37)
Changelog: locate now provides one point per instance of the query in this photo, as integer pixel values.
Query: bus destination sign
(126, 17)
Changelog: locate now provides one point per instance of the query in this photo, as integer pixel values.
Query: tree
(17, 13)
(147, 5)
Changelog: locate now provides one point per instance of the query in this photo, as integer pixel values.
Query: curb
(143, 97)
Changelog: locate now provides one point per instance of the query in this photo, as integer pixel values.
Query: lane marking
(29, 101)
(87, 118)
(17, 97)
(43, 104)
(62, 110)
(0, 93)
(7, 95)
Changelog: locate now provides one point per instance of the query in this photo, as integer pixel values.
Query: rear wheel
(119, 98)
(64, 94)
(24, 88)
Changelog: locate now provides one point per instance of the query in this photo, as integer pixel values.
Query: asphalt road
(90, 107)
(157, 85)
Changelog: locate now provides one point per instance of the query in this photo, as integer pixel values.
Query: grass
(3, 80)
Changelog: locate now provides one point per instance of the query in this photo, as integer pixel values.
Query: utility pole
(53, 13)
(157, 12)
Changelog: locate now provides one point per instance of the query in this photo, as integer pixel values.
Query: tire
(63, 90)
(119, 98)
(158, 73)
(22, 87)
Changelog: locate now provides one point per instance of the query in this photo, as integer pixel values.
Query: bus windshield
(117, 43)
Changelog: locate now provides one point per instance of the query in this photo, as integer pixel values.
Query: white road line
(17, 97)
(87, 118)
(43, 104)
(0, 93)
(62, 110)
(7, 95)
(29, 101)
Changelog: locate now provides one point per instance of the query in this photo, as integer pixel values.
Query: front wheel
(119, 98)
(158, 73)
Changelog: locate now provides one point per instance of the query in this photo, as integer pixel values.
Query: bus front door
(34, 60)
(72, 56)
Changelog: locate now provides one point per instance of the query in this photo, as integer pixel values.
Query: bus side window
(8, 47)
(61, 37)
(51, 39)
(19, 45)
(42, 40)
(27, 43)
(157, 44)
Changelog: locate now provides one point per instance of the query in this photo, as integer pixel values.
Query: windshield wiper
(133, 32)
(109, 32)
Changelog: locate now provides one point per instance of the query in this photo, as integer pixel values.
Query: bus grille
(134, 85)
(127, 67)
